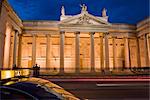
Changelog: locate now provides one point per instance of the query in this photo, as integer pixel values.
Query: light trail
(103, 80)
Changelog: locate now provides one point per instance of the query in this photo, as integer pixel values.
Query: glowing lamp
(6, 74)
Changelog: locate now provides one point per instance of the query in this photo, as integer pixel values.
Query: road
(106, 89)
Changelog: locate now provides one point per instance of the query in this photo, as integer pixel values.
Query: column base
(77, 72)
(61, 72)
(92, 71)
(106, 72)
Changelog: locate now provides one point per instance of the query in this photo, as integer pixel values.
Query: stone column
(101, 53)
(19, 50)
(127, 56)
(7, 47)
(138, 52)
(48, 51)
(148, 46)
(92, 52)
(77, 51)
(15, 48)
(34, 50)
(2, 36)
(106, 51)
(62, 37)
(146, 50)
(114, 52)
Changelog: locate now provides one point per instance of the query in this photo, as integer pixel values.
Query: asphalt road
(99, 90)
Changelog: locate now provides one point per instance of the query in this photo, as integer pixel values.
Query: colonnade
(77, 51)
(104, 51)
(16, 48)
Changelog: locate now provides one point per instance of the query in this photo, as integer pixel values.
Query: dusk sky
(119, 11)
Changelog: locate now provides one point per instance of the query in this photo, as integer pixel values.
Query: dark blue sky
(119, 11)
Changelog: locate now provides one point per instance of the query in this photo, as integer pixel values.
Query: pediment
(84, 19)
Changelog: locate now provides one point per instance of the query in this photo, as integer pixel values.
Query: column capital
(101, 36)
(62, 32)
(34, 35)
(9, 25)
(19, 35)
(126, 37)
(77, 32)
(106, 33)
(138, 37)
(114, 37)
(48, 35)
(16, 31)
(92, 33)
(146, 35)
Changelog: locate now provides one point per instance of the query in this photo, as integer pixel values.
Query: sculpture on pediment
(62, 11)
(84, 8)
(104, 13)
(84, 20)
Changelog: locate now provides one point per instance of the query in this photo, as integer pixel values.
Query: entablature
(12, 17)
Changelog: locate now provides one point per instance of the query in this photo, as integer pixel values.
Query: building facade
(82, 43)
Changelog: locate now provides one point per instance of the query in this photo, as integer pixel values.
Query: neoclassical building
(80, 43)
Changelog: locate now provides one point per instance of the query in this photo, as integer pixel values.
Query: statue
(84, 7)
(63, 11)
(104, 13)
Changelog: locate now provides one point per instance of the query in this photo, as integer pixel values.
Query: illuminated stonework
(81, 43)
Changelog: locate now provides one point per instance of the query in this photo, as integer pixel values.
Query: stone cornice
(40, 32)
(85, 29)
(122, 28)
(143, 22)
(40, 25)
(12, 12)
(40, 22)
(115, 28)
(54, 25)
(143, 27)
(12, 16)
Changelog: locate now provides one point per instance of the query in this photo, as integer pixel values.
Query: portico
(87, 25)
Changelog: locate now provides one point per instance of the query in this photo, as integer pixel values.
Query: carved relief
(83, 20)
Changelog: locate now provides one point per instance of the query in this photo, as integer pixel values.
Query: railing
(37, 71)
(141, 70)
(84, 71)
